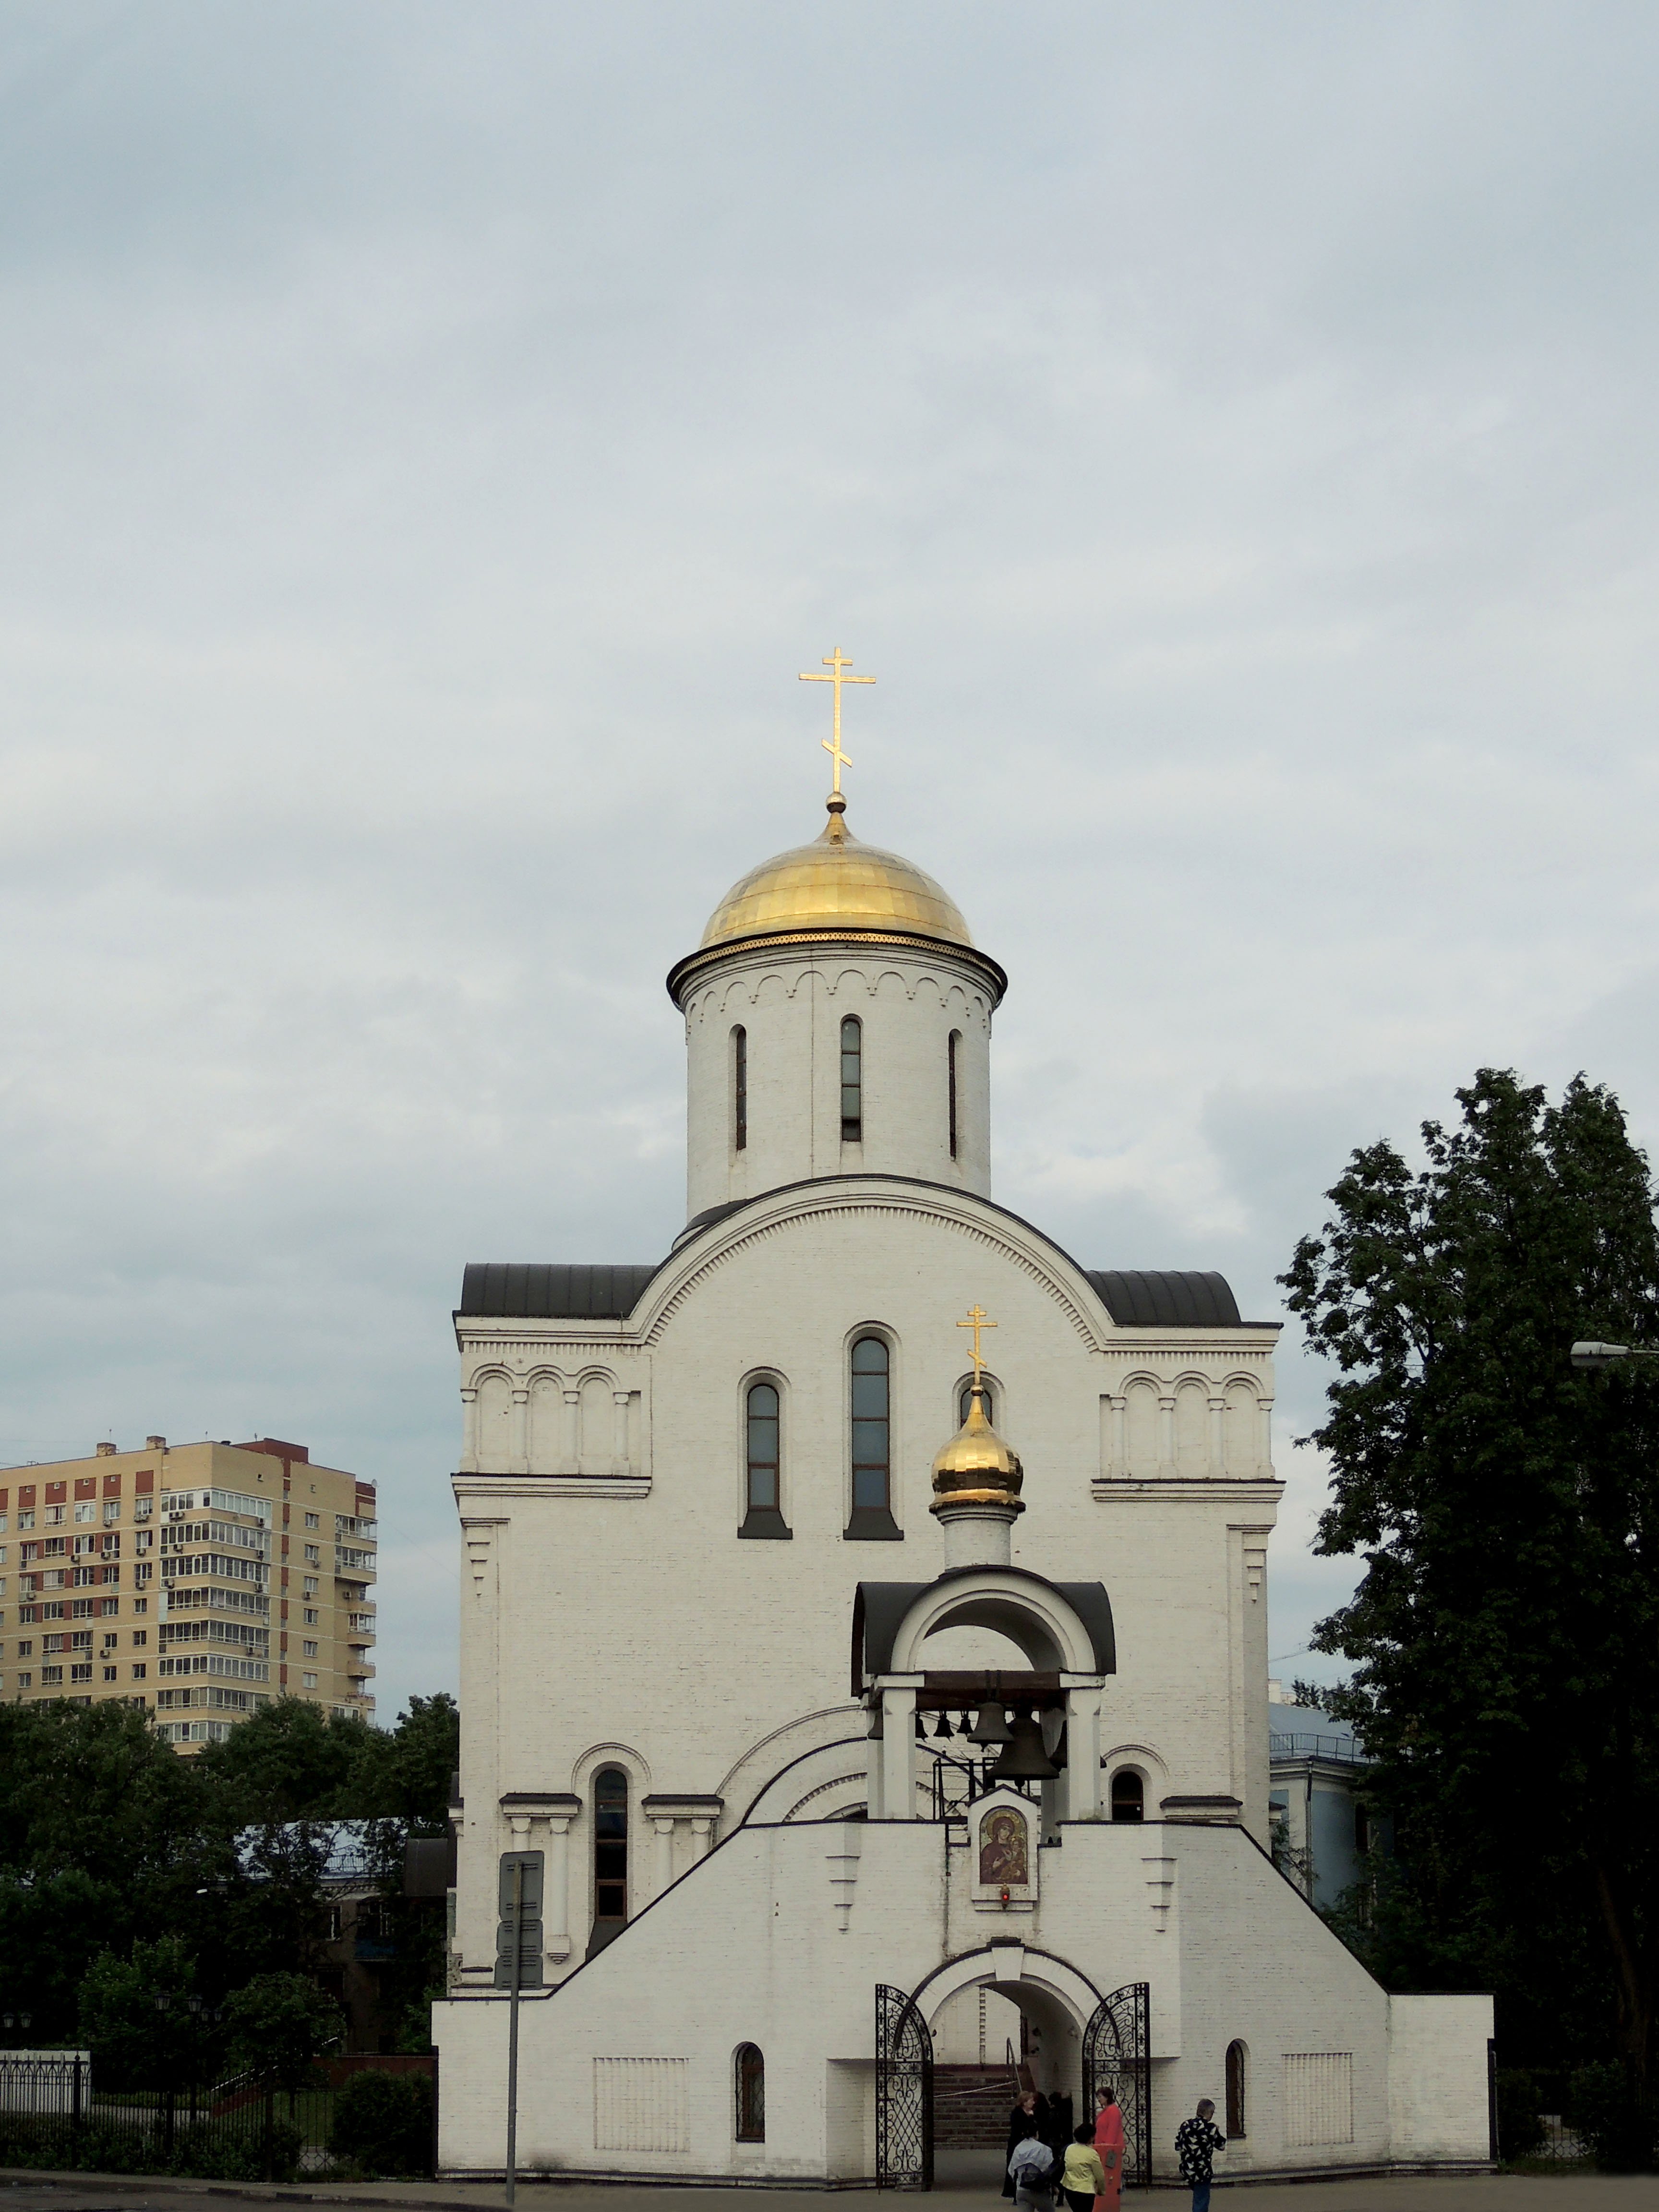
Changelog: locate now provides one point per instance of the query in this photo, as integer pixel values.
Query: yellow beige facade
(200, 1581)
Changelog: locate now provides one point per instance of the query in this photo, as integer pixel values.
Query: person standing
(1027, 2119)
(1108, 2141)
(1197, 2141)
(1082, 2178)
(1031, 2169)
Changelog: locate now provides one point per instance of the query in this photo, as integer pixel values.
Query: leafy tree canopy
(1506, 1630)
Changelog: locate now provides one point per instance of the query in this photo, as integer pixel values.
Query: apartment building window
(138, 1671)
(50, 1676)
(111, 1673)
(85, 1513)
(140, 1638)
(25, 1680)
(310, 1585)
(313, 1520)
(142, 1508)
(308, 1650)
(56, 1516)
(112, 1510)
(26, 1517)
(307, 1681)
(310, 1616)
(313, 1555)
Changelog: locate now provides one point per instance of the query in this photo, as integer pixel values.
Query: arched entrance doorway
(1094, 2046)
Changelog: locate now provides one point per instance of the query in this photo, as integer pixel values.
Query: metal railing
(58, 2113)
(1296, 1745)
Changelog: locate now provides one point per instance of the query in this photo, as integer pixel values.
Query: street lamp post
(1609, 1355)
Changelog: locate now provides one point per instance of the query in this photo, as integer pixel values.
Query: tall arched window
(750, 2083)
(852, 1081)
(952, 1045)
(1235, 2091)
(610, 1855)
(739, 1088)
(872, 1499)
(1128, 1796)
(762, 1503)
(986, 1393)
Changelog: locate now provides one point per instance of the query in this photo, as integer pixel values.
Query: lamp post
(1609, 1355)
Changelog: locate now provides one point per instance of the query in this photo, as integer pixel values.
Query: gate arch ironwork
(1117, 2064)
(904, 2092)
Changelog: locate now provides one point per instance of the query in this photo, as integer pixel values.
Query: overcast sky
(434, 436)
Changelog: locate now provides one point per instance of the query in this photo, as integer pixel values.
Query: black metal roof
(1184, 1300)
(522, 1292)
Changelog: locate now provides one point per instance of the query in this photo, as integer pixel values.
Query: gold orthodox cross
(836, 661)
(976, 1322)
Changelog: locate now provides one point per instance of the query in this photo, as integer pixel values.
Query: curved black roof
(1137, 1299)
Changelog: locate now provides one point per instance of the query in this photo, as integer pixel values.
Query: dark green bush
(1603, 2109)
(1520, 2129)
(383, 2123)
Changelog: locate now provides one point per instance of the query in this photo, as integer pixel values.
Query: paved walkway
(1498, 2193)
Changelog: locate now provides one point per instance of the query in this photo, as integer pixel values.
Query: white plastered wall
(791, 1003)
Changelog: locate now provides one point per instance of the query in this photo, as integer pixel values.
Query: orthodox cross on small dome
(976, 1322)
(836, 661)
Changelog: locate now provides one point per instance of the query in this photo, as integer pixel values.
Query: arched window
(1235, 2091)
(762, 1500)
(954, 1040)
(986, 1393)
(739, 1088)
(750, 2082)
(872, 1502)
(1128, 1796)
(852, 1081)
(610, 1855)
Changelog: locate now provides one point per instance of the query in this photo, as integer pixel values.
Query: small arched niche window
(987, 1392)
(1128, 1796)
(762, 1513)
(1235, 2091)
(748, 2082)
(872, 1424)
(610, 1856)
(739, 1089)
(953, 1046)
(852, 1081)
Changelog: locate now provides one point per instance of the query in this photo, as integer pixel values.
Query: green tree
(1506, 1630)
(279, 2023)
(287, 1761)
(129, 2033)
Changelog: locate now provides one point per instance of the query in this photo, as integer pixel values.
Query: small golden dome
(835, 884)
(976, 1467)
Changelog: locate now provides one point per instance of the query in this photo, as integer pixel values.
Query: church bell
(1025, 1759)
(989, 1726)
(942, 1725)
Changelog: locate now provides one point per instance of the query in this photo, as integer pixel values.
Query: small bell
(872, 1734)
(942, 1726)
(921, 1730)
(990, 1725)
(1025, 1759)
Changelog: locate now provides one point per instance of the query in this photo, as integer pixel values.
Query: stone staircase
(971, 2105)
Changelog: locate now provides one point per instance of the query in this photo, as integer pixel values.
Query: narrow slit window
(762, 1412)
(951, 1082)
(986, 1393)
(1128, 1796)
(740, 1088)
(610, 1844)
(852, 1081)
(871, 1432)
(750, 2085)
(1236, 2128)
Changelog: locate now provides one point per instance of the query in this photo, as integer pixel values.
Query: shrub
(1602, 2108)
(383, 2123)
(1520, 2128)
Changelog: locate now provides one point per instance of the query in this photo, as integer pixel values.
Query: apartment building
(200, 1581)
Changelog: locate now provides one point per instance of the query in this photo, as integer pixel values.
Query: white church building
(835, 1720)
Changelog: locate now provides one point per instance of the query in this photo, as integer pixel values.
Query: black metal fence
(54, 2113)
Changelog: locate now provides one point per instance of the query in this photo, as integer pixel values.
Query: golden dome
(835, 884)
(976, 1467)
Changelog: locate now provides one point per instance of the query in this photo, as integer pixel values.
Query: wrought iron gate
(1117, 2064)
(904, 2092)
